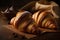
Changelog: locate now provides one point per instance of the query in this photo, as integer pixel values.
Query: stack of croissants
(41, 20)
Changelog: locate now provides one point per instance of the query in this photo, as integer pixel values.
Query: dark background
(4, 3)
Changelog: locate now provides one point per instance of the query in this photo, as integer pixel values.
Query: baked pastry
(23, 22)
(44, 20)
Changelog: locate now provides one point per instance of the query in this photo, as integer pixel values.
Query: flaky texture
(24, 21)
(44, 19)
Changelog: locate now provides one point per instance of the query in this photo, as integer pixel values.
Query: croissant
(44, 19)
(23, 21)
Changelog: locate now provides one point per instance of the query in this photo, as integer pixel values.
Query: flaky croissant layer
(24, 21)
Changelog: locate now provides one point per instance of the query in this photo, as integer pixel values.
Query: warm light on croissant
(23, 22)
(26, 22)
(44, 19)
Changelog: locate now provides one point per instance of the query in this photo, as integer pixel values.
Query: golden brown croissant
(44, 19)
(39, 22)
(24, 22)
